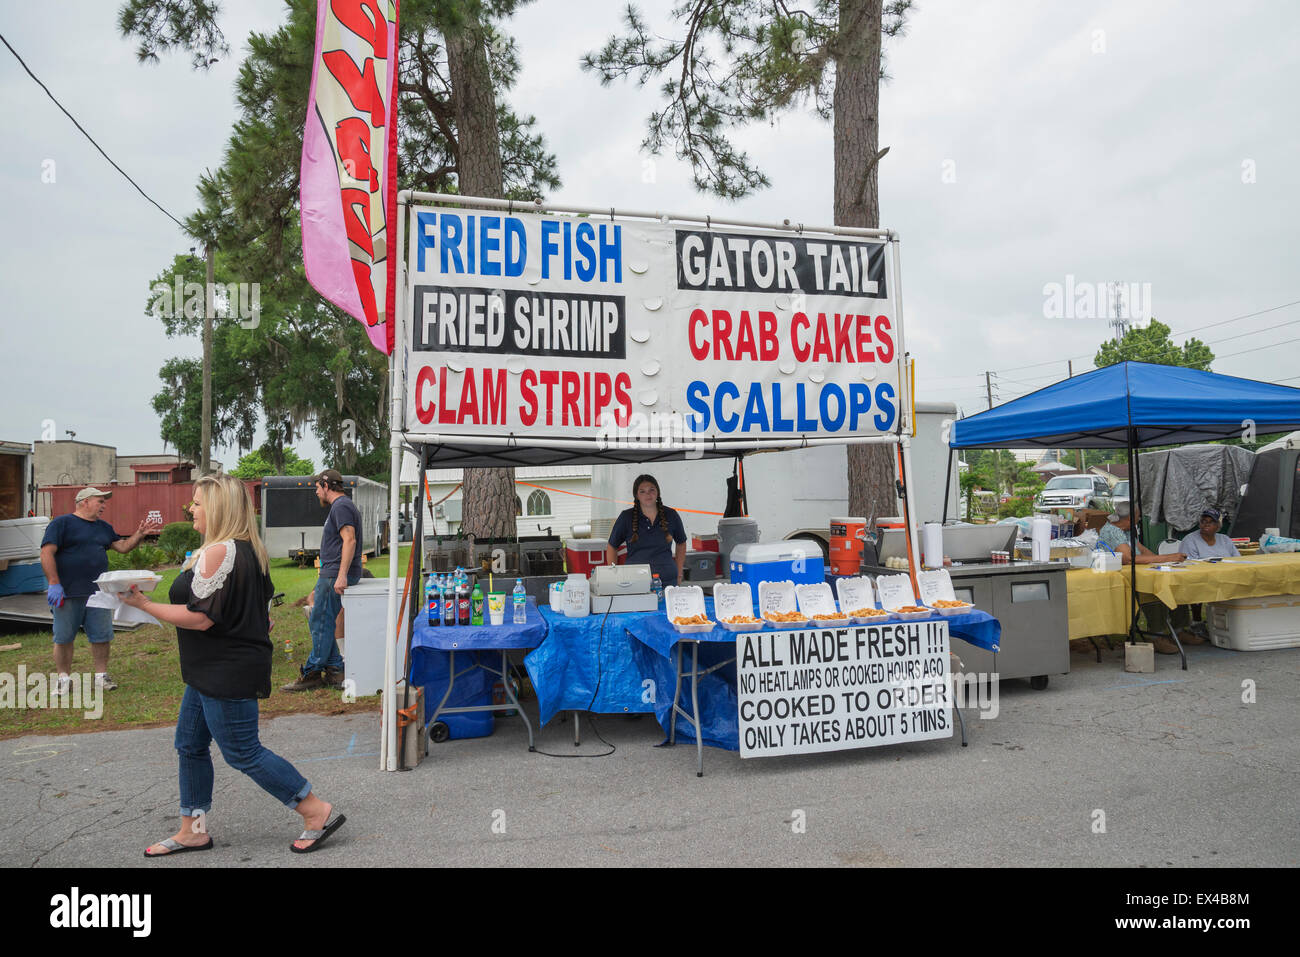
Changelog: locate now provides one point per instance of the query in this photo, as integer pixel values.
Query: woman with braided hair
(650, 528)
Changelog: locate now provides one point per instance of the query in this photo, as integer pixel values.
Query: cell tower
(1119, 322)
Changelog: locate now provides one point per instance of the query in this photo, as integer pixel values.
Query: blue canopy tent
(1133, 405)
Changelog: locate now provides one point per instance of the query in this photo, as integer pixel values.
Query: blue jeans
(326, 605)
(73, 614)
(234, 726)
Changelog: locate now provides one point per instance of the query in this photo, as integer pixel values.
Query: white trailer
(293, 518)
(791, 494)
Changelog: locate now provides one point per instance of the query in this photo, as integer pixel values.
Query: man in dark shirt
(340, 566)
(74, 554)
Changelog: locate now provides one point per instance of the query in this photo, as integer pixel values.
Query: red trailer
(162, 500)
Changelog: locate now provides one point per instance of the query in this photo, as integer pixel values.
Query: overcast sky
(1153, 143)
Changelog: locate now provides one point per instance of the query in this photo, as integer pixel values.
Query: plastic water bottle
(658, 587)
(520, 602)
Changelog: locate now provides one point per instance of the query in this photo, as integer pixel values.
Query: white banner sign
(830, 689)
(603, 329)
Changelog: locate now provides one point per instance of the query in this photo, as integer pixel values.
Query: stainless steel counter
(1029, 600)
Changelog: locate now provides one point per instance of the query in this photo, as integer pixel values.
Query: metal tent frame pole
(396, 410)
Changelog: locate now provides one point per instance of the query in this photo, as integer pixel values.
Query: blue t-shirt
(1193, 546)
(82, 554)
(650, 548)
(343, 512)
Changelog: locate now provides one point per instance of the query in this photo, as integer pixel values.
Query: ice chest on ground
(1256, 624)
(799, 562)
(581, 555)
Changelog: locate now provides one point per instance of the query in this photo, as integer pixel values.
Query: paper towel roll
(932, 544)
(1040, 533)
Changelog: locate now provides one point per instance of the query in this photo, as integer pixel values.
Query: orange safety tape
(616, 501)
(429, 495)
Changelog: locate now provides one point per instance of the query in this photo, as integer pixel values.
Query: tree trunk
(857, 203)
(488, 495)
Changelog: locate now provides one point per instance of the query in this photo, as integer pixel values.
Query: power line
(1173, 332)
(89, 137)
(1268, 345)
(1242, 335)
(1224, 322)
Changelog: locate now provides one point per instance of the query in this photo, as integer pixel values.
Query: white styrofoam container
(685, 601)
(1256, 624)
(732, 601)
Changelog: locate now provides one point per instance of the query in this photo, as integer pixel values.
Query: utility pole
(205, 463)
(1069, 365)
(988, 388)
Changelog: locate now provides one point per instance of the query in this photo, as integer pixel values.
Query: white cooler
(1256, 624)
(365, 620)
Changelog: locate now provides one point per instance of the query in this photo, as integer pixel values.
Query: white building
(550, 499)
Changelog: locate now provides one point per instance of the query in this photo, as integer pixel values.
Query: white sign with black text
(830, 689)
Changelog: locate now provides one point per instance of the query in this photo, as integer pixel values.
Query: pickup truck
(1071, 492)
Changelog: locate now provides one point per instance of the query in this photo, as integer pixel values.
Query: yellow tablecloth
(1099, 601)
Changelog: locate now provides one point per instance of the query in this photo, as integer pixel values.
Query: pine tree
(740, 62)
(307, 361)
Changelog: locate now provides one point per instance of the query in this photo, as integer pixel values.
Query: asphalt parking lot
(1101, 769)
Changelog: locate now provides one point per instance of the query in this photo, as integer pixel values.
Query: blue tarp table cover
(579, 668)
(429, 641)
(657, 657)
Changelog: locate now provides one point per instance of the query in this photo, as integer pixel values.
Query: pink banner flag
(349, 163)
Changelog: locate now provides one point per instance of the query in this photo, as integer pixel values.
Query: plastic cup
(497, 608)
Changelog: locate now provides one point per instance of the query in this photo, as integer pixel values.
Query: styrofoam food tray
(785, 624)
(818, 622)
(873, 619)
(911, 615)
(751, 626)
(964, 609)
(117, 582)
(690, 629)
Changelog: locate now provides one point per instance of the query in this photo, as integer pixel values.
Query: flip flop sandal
(176, 847)
(318, 837)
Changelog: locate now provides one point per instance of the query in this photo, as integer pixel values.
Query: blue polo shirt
(82, 554)
(650, 547)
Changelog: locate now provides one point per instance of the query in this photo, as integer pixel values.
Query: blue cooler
(472, 688)
(798, 561)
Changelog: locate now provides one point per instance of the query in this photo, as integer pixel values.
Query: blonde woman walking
(219, 605)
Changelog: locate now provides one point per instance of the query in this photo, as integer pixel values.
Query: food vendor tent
(1133, 405)
(532, 335)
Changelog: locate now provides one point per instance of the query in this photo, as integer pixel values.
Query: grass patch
(146, 665)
